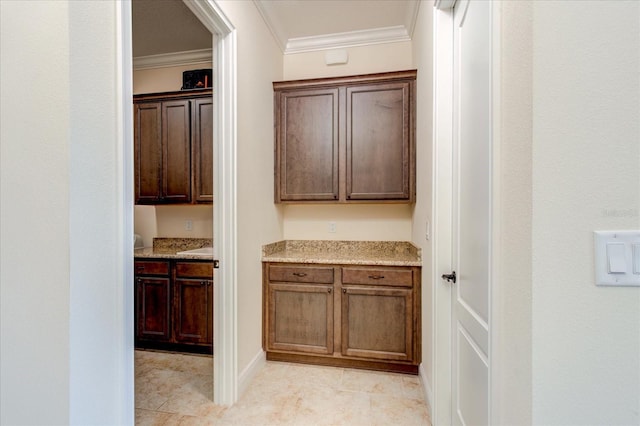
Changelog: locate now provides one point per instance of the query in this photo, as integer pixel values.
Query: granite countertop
(167, 248)
(384, 253)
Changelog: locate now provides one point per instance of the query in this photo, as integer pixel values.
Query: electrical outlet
(188, 225)
(332, 227)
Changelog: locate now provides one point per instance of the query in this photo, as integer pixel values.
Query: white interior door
(471, 211)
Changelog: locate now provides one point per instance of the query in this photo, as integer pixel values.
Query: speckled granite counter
(167, 248)
(388, 253)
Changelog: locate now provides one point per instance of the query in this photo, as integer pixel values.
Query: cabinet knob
(344, 290)
(328, 290)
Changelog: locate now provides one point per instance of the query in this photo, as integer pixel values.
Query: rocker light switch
(636, 258)
(617, 258)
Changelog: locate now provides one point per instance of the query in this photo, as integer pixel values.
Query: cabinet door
(377, 323)
(307, 145)
(300, 318)
(378, 142)
(152, 308)
(193, 311)
(176, 137)
(148, 152)
(202, 159)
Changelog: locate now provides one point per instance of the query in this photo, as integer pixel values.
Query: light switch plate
(616, 258)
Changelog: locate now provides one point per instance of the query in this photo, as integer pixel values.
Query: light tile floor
(177, 389)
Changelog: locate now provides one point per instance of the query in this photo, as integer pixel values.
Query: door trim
(442, 209)
(225, 368)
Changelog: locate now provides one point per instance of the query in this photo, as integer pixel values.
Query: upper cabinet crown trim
(346, 80)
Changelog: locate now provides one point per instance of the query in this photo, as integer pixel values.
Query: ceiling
(168, 26)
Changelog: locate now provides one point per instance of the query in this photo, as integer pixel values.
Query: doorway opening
(224, 187)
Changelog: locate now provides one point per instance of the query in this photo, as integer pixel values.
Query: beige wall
(259, 220)
(512, 291)
(357, 222)
(35, 213)
(585, 177)
(362, 60)
(423, 212)
(65, 355)
(164, 79)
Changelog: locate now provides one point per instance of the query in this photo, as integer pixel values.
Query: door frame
(443, 296)
(225, 190)
(225, 368)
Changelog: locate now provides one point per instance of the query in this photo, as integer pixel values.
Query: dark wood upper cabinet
(346, 139)
(202, 151)
(308, 148)
(173, 147)
(176, 151)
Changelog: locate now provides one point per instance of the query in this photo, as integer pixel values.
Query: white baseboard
(426, 386)
(249, 373)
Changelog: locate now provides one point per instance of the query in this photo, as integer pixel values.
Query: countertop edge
(369, 262)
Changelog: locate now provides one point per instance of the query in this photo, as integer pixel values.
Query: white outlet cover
(614, 258)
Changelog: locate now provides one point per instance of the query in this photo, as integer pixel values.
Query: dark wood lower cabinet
(354, 316)
(153, 308)
(174, 311)
(301, 318)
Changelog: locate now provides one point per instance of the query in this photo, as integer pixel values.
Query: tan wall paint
(366, 222)
(423, 61)
(165, 79)
(259, 220)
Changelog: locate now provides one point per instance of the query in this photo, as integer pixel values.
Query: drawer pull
(376, 277)
(300, 274)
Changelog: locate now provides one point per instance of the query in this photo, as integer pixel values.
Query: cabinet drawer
(373, 276)
(192, 269)
(301, 274)
(151, 267)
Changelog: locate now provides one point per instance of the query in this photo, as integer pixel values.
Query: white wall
(34, 374)
(63, 304)
(586, 165)
(511, 302)
(423, 61)
(259, 220)
(353, 222)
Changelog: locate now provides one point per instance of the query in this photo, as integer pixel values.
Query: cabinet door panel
(377, 323)
(300, 318)
(378, 141)
(203, 151)
(153, 308)
(308, 157)
(148, 152)
(192, 315)
(176, 133)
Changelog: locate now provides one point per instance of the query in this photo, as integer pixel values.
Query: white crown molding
(273, 23)
(173, 59)
(348, 39)
(412, 17)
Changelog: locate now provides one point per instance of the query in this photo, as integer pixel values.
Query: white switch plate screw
(188, 225)
(332, 227)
